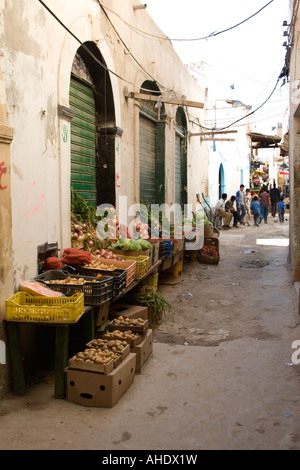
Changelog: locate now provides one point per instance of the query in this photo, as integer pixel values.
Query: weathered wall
(36, 59)
(294, 152)
(6, 275)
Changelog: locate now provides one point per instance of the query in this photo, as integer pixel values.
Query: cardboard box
(101, 313)
(136, 328)
(128, 311)
(92, 389)
(91, 366)
(143, 351)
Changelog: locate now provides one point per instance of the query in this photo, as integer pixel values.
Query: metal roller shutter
(83, 141)
(178, 170)
(147, 160)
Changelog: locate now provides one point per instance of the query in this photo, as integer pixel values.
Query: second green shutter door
(147, 161)
(178, 170)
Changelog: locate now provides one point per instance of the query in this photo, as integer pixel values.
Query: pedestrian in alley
(240, 202)
(248, 200)
(230, 207)
(281, 206)
(256, 210)
(222, 213)
(275, 198)
(265, 204)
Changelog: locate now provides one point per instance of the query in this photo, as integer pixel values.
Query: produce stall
(67, 299)
(99, 342)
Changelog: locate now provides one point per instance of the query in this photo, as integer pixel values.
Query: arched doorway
(93, 128)
(151, 148)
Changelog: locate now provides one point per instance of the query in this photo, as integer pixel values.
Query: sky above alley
(239, 62)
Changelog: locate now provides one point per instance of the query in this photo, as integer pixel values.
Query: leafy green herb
(157, 305)
(81, 210)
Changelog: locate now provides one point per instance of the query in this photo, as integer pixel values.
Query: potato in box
(121, 348)
(92, 389)
(93, 360)
(137, 325)
(129, 336)
(127, 311)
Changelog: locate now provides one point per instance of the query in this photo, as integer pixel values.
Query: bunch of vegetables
(84, 220)
(156, 303)
(210, 252)
(84, 233)
(107, 254)
(81, 211)
(140, 229)
(158, 224)
(131, 244)
(108, 224)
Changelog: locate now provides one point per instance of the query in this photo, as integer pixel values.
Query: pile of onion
(81, 233)
(107, 254)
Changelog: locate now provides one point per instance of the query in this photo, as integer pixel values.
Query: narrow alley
(221, 376)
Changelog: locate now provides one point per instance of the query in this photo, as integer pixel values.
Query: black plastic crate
(118, 275)
(162, 253)
(95, 293)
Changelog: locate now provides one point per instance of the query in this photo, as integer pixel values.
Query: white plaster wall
(294, 152)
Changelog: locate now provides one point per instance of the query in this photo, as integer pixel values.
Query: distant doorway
(221, 180)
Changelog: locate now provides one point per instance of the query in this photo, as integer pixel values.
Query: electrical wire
(215, 33)
(246, 115)
(123, 79)
(251, 122)
(261, 114)
(80, 42)
(127, 48)
(98, 61)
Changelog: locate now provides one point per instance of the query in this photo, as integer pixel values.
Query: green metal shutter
(147, 160)
(178, 170)
(83, 141)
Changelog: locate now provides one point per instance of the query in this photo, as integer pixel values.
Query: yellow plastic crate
(141, 264)
(177, 269)
(23, 307)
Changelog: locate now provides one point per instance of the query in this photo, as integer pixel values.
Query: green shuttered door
(178, 170)
(147, 160)
(83, 141)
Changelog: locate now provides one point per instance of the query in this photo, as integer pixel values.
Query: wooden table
(62, 337)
